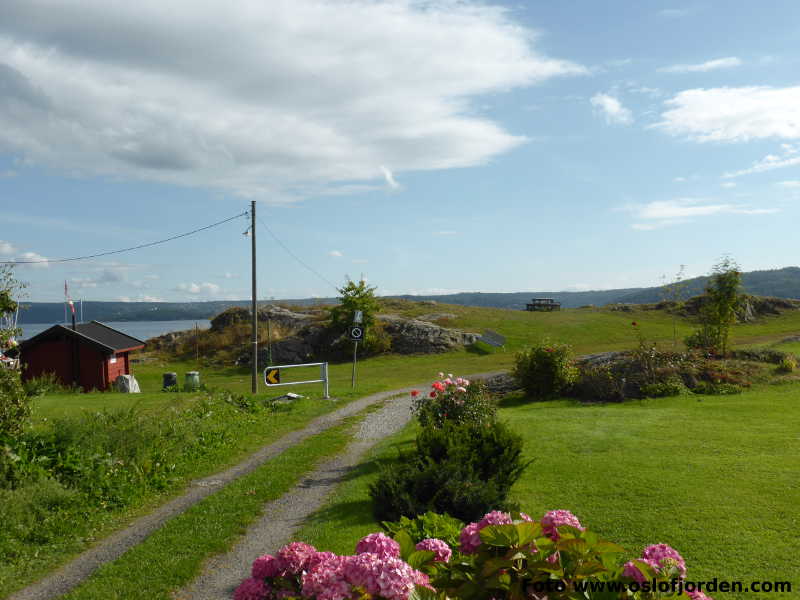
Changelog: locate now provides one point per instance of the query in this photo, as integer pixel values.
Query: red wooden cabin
(91, 356)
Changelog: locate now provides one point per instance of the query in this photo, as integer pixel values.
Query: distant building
(91, 356)
(543, 304)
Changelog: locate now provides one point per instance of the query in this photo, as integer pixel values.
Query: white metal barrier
(272, 372)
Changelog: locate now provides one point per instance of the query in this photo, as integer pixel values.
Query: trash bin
(192, 381)
(169, 380)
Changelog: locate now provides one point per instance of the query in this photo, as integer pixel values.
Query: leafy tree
(355, 296)
(14, 404)
(360, 296)
(722, 300)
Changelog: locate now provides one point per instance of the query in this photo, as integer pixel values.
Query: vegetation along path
(281, 517)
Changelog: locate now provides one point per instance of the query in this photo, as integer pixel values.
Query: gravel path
(284, 516)
(376, 426)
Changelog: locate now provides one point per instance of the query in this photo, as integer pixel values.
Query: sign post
(356, 335)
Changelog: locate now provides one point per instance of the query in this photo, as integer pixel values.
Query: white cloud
(289, 98)
(786, 158)
(446, 232)
(335, 253)
(106, 276)
(728, 184)
(789, 184)
(679, 179)
(206, 288)
(612, 109)
(710, 65)
(390, 180)
(662, 213)
(6, 248)
(34, 260)
(734, 114)
(140, 298)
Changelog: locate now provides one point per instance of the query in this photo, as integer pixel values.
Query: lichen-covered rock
(412, 336)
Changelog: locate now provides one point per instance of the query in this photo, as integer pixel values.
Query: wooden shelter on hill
(545, 304)
(90, 355)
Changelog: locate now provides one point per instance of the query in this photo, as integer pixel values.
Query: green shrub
(662, 389)
(45, 384)
(788, 364)
(766, 355)
(454, 400)
(14, 404)
(717, 389)
(600, 383)
(463, 471)
(427, 525)
(545, 371)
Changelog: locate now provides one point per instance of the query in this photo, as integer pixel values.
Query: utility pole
(254, 327)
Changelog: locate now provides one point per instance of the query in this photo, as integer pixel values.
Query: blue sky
(433, 147)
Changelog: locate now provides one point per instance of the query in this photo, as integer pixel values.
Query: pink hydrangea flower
(251, 589)
(665, 557)
(266, 566)
(469, 539)
(380, 544)
(319, 558)
(556, 518)
(325, 579)
(293, 557)
(441, 551)
(632, 571)
(388, 577)
(495, 517)
(466, 382)
(699, 596)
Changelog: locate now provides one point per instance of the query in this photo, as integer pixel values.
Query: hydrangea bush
(503, 556)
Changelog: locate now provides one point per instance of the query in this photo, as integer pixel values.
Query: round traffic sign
(356, 333)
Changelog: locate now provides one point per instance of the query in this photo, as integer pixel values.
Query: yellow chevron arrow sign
(273, 376)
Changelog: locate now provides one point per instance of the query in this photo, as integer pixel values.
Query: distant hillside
(782, 283)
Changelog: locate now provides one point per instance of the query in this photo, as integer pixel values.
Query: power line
(99, 254)
(294, 256)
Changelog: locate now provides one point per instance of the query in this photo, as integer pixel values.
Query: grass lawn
(713, 476)
(174, 555)
(587, 330)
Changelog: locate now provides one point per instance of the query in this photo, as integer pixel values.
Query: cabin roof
(107, 338)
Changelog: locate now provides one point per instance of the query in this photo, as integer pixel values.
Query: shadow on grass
(479, 349)
(375, 465)
(514, 399)
(346, 514)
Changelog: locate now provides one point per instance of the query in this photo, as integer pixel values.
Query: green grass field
(587, 330)
(713, 476)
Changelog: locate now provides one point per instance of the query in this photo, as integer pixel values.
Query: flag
(67, 299)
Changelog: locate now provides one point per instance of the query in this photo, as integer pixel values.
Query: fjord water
(142, 330)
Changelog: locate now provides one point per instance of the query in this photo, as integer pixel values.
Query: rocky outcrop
(436, 317)
(284, 318)
(412, 336)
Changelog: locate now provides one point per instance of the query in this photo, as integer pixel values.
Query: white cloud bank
(270, 99)
(661, 213)
(710, 65)
(612, 109)
(205, 288)
(734, 114)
